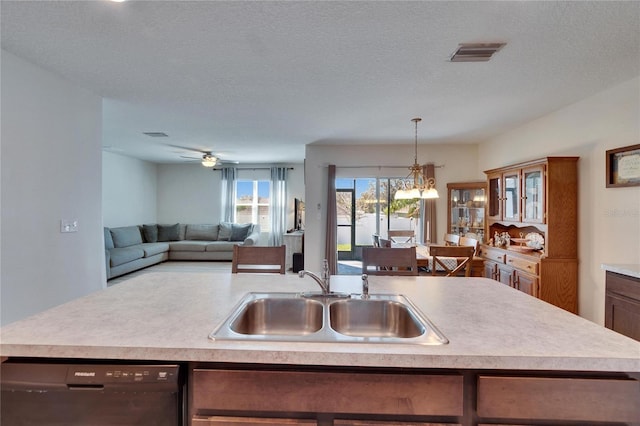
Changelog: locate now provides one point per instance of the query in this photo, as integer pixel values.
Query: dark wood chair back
(389, 261)
(258, 259)
(451, 261)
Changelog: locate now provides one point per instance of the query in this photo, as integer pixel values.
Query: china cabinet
(531, 241)
(467, 208)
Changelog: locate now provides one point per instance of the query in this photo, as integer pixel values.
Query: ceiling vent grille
(475, 52)
(156, 134)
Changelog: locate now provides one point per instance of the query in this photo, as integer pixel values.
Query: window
(252, 203)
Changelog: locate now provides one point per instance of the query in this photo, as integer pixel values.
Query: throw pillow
(224, 231)
(239, 231)
(202, 232)
(169, 232)
(126, 236)
(150, 233)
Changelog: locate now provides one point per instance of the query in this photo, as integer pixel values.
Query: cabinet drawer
(596, 400)
(492, 254)
(326, 392)
(247, 421)
(523, 264)
(383, 423)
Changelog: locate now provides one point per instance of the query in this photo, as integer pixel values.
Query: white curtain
(278, 205)
(228, 193)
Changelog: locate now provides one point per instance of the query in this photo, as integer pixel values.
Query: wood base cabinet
(622, 304)
(357, 396)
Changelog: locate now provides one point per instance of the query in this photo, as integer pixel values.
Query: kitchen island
(503, 346)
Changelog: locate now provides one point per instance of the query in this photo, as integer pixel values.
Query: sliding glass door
(366, 206)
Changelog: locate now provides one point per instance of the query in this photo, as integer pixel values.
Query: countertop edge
(325, 359)
(631, 270)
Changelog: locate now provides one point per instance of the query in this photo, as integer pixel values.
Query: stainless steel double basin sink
(294, 317)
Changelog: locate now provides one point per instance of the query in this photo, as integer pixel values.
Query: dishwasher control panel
(104, 374)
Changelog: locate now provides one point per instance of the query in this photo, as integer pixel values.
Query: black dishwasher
(94, 394)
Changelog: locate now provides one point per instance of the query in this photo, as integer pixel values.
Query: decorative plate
(535, 240)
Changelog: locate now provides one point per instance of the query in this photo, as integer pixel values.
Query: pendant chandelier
(416, 185)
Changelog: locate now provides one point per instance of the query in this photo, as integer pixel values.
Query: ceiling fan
(208, 159)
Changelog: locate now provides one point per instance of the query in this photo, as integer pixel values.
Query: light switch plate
(69, 225)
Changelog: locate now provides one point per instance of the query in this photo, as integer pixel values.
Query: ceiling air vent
(475, 52)
(156, 134)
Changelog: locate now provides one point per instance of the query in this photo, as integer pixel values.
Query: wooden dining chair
(451, 261)
(376, 240)
(402, 235)
(451, 239)
(389, 261)
(258, 259)
(384, 243)
(468, 241)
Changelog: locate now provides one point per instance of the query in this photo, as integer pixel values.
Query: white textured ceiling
(257, 81)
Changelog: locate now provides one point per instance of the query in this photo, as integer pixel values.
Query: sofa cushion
(224, 231)
(126, 236)
(221, 245)
(151, 249)
(169, 232)
(202, 232)
(123, 255)
(150, 233)
(240, 231)
(108, 241)
(187, 245)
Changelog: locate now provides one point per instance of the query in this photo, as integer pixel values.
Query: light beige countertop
(629, 269)
(168, 317)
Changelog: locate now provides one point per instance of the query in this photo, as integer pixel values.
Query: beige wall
(609, 218)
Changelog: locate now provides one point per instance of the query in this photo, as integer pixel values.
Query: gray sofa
(130, 248)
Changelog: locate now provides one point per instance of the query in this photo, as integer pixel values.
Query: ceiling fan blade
(186, 148)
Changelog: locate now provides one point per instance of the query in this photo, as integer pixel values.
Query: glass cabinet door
(511, 197)
(467, 209)
(494, 206)
(533, 195)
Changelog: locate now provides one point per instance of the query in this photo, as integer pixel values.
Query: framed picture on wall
(623, 166)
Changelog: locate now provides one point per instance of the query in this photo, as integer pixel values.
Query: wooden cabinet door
(505, 275)
(526, 283)
(491, 270)
(533, 205)
(622, 315)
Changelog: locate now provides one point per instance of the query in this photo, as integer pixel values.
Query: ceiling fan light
(209, 160)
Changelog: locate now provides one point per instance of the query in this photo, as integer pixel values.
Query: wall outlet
(69, 225)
